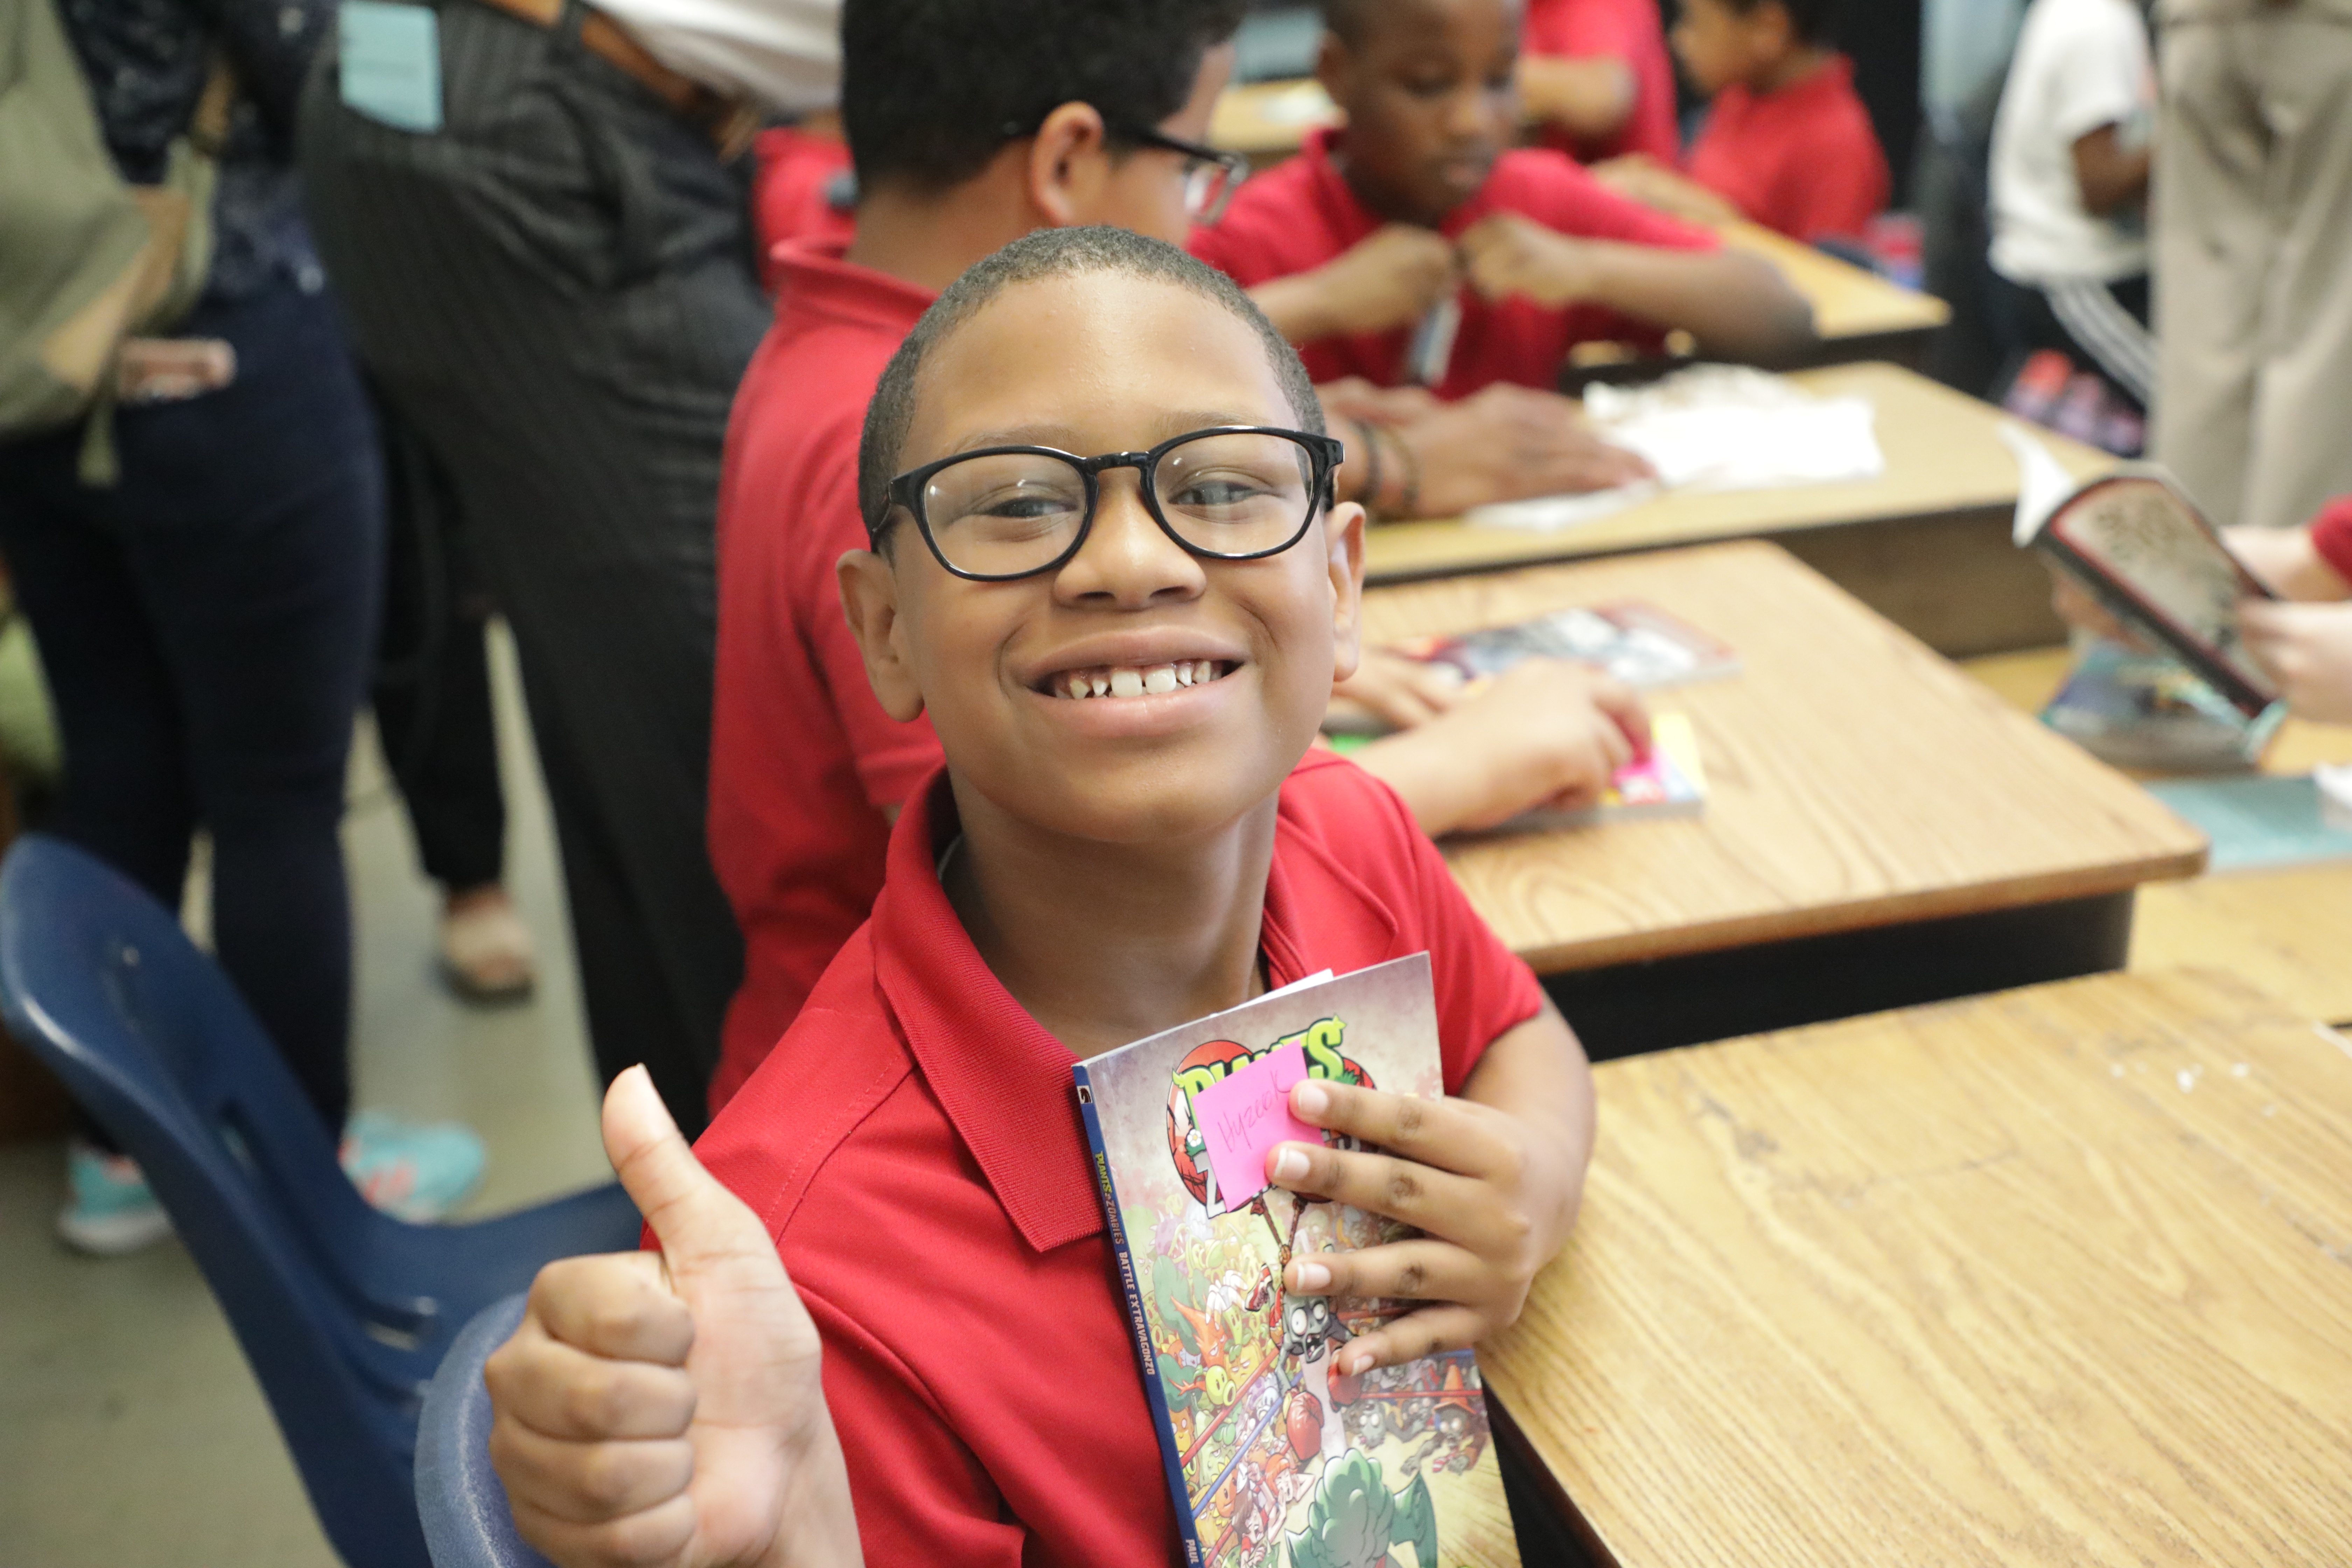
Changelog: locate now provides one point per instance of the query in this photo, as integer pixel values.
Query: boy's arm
(665, 1409)
(1545, 733)
(2111, 176)
(1736, 304)
(1493, 1178)
(1643, 178)
(1589, 98)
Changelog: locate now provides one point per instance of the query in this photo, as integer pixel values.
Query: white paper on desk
(1713, 427)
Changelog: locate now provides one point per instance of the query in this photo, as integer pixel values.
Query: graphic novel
(1274, 1459)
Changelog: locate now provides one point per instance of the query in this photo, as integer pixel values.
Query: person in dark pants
(556, 291)
(206, 620)
(438, 729)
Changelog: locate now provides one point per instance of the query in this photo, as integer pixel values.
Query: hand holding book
(1492, 1198)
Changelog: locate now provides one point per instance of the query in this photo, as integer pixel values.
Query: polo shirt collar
(1349, 219)
(815, 279)
(1835, 79)
(1003, 1081)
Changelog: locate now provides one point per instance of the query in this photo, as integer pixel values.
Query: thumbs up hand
(663, 1410)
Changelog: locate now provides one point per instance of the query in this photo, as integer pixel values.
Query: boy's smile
(1136, 692)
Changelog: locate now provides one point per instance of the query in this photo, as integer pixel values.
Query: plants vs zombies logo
(1219, 1059)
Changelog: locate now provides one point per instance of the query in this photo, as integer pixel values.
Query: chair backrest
(467, 1523)
(153, 1041)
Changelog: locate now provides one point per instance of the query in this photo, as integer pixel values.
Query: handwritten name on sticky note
(1243, 1116)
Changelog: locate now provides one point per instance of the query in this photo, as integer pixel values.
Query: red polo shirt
(791, 195)
(2331, 535)
(1627, 30)
(913, 1144)
(1302, 212)
(1803, 160)
(803, 759)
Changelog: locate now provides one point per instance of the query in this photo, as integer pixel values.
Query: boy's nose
(1127, 557)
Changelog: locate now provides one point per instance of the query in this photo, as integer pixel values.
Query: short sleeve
(1836, 195)
(892, 757)
(1554, 191)
(2331, 535)
(2101, 72)
(922, 1496)
(1581, 29)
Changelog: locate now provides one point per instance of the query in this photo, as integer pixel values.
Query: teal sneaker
(109, 1210)
(413, 1171)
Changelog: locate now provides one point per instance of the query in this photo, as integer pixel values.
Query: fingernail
(1289, 1163)
(1309, 1098)
(1313, 1276)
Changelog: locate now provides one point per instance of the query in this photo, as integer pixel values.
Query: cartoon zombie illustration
(1355, 1521)
(1309, 1328)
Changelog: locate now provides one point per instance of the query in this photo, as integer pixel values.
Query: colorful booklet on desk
(1273, 1459)
(2259, 822)
(1638, 644)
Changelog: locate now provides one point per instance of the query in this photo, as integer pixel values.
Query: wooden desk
(1927, 543)
(2288, 931)
(1879, 829)
(1858, 314)
(1977, 1285)
(1267, 121)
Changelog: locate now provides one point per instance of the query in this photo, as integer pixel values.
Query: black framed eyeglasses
(1232, 492)
(1210, 176)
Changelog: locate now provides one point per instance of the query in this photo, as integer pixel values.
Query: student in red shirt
(1085, 871)
(1350, 245)
(805, 768)
(1596, 79)
(1787, 143)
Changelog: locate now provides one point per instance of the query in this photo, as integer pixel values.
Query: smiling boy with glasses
(972, 123)
(1094, 466)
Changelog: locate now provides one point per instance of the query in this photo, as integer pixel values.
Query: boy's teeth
(1136, 682)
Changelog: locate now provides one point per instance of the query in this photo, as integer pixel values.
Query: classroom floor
(131, 1434)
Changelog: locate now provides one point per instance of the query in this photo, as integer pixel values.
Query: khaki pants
(2252, 221)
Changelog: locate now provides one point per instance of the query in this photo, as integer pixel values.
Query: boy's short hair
(1050, 253)
(1812, 21)
(1353, 19)
(932, 88)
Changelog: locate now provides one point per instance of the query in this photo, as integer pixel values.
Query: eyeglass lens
(1006, 513)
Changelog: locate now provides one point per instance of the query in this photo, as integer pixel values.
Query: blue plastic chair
(467, 1523)
(344, 1313)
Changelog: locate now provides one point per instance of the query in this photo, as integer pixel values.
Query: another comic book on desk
(1274, 1458)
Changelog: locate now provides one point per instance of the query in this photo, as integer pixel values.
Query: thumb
(695, 1219)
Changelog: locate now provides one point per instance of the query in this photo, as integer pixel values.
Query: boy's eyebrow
(1177, 422)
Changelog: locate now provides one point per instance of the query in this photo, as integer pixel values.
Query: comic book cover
(1273, 1458)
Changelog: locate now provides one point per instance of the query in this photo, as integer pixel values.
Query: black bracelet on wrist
(1370, 494)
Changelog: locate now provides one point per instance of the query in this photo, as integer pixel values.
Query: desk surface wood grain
(2288, 931)
(1854, 778)
(2060, 1277)
(1942, 458)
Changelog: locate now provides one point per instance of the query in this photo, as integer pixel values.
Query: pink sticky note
(1243, 1116)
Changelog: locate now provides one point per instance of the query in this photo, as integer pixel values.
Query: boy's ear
(869, 600)
(1343, 533)
(1069, 162)
(1334, 63)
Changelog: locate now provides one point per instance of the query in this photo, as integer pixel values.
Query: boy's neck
(1106, 944)
(1379, 203)
(927, 238)
(1800, 63)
